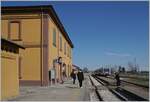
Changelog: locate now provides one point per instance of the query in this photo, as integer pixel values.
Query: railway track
(131, 83)
(140, 85)
(120, 92)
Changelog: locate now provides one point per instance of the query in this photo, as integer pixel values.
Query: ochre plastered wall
(54, 52)
(31, 57)
(30, 38)
(67, 59)
(31, 64)
(4, 28)
(9, 75)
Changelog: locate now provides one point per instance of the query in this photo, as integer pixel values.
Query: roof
(10, 42)
(38, 9)
(77, 67)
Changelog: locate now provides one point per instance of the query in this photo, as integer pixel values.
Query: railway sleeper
(103, 93)
(129, 95)
(121, 93)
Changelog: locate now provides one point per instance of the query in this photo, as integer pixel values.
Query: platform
(57, 92)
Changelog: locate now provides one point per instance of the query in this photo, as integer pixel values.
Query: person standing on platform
(63, 73)
(80, 78)
(73, 76)
(117, 77)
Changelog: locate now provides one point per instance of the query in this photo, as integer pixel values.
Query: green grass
(137, 81)
(137, 78)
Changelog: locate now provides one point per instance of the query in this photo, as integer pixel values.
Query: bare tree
(138, 68)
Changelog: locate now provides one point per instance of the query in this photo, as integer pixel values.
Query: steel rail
(120, 92)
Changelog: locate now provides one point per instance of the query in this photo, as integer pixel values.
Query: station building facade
(39, 30)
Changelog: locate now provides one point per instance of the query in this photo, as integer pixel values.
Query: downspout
(41, 48)
(59, 65)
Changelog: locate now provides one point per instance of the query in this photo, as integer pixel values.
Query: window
(15, 30)
(65, 48)
(60, 43)
(68, 51)
(54, 37)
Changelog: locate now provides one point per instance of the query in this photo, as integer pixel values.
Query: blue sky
(104, 32)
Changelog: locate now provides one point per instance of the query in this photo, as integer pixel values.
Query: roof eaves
(8, 41)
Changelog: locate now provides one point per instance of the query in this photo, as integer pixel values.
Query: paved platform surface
(58, 92)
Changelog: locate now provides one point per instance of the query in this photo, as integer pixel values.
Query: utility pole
(135, 64)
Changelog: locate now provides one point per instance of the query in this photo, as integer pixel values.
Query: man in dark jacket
(80, 78)
(117, 77)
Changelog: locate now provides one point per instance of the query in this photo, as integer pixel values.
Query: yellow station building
(39, 30)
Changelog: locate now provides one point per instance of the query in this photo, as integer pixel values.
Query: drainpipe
(41, 42)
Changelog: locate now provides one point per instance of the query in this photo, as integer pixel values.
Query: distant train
(103, 72)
